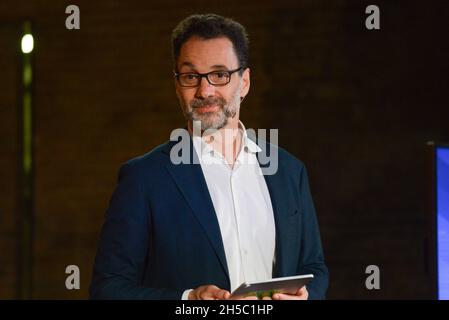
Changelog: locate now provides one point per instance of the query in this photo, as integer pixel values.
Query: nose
(204, 89)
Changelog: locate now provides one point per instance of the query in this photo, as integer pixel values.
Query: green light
(27, 43)
(25, 278)
(27, 134)
(27, 75)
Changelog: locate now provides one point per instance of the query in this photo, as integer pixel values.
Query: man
(198, 230)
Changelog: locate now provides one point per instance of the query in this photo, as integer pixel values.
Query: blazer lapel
(280, 210)
(192, 184)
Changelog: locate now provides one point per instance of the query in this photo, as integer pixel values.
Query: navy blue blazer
(161, 235)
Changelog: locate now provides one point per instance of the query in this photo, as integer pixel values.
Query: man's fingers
(223, 294)
(207, 292)
(207, 295)
(281, 296)
(214, 293)
(301, 291)
(301, 294)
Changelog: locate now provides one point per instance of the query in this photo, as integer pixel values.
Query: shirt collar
(248, 144)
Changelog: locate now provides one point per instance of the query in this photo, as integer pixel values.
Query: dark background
(357, 106)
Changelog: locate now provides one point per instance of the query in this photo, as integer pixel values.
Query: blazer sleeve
(123, 246)
(311, 257)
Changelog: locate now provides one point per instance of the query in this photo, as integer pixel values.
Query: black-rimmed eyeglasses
(215, 78)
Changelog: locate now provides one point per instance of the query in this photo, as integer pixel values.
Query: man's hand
(301, 294)
(209, 292)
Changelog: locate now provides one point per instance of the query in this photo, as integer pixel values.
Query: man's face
(213, 105)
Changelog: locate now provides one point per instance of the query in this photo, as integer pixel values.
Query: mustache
(198, 103)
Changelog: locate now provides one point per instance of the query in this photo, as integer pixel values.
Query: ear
(175, 83)
(245, 83)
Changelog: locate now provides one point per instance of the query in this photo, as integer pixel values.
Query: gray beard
(212, 120)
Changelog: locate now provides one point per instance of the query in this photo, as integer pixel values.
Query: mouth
(207, 108)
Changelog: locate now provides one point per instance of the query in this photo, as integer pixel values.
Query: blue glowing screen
(442, 180)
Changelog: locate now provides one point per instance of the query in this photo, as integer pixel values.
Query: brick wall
(356, 106)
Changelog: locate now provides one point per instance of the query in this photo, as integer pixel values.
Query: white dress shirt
(243, 207)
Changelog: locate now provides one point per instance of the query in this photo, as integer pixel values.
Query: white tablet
(269, 287)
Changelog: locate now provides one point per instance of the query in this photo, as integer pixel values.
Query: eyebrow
(215, 66)
(188, 64)
(219, 66)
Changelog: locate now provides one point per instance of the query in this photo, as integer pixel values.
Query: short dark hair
(211, 26)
